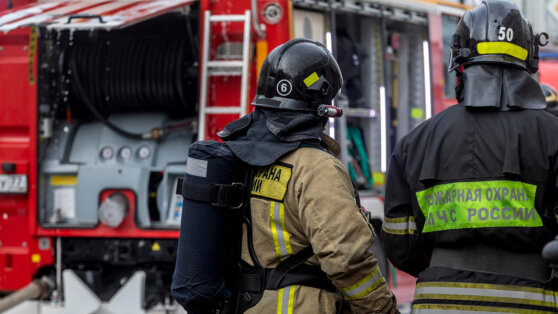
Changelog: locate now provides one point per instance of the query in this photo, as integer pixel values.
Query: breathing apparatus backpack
(210, 276)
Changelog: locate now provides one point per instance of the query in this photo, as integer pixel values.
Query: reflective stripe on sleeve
(363, 287)
(485, 293)
(401, 225)
(285, 300)
(280, 234)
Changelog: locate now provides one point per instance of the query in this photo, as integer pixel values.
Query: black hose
(130, 75)
(77, 85)
(133, 75)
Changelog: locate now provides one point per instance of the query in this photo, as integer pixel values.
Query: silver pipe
(245, 66)
(59, 266)
(255, 20)
(37, 288)
(204, 80)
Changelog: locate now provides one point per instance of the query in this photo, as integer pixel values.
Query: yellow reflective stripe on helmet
(400, 225)
(457, 308)
(364, 286)
(502, 47)
(311, 79)
(285, 300)
(278, 230)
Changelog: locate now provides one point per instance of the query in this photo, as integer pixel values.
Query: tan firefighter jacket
(306, 198)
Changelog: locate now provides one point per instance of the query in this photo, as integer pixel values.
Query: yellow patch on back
(271, 182)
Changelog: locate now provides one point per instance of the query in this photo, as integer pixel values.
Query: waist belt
(304, 275)
(290, 271)
(492, 260)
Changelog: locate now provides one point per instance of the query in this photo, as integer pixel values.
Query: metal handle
(84, 16)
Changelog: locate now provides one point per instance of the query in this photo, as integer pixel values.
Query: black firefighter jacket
(471, 199)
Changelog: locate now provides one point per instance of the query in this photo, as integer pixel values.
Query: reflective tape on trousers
(480, 204)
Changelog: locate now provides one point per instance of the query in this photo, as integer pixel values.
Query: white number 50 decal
(505, 33)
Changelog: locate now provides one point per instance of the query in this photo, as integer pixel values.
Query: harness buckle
(228, 193)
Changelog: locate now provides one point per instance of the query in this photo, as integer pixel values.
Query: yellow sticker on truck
(271, 182)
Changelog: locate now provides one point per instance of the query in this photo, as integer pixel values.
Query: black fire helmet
(496, 32)
(299, 75)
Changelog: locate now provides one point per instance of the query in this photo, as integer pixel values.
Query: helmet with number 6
(299, 75)
(495, 32)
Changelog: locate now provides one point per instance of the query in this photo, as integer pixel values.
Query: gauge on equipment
(125, 152)
(144, 152)
(106, 153)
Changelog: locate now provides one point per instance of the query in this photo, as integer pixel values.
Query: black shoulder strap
(277, 274)
(293, 271)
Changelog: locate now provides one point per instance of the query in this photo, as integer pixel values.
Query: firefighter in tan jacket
(302, 205)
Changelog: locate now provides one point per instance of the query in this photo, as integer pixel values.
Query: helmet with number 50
(496, 32)
(299, 75)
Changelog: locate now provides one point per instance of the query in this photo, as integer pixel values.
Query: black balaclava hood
(499, 87)
(263, 136)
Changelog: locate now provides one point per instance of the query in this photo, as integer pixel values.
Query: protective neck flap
(498, 87)
(263, 136)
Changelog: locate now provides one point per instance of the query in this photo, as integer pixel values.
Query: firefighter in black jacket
(472, 193)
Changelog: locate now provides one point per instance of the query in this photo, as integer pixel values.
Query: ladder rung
(222, 110)
(224, 64)
(224, 73)
(228, 18)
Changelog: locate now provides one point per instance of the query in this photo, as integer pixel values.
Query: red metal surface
(548, 72)
(18, 140)
(128, 228)
(9, 4)
(115, 14)
(437, 64)
(225, 91)
(402, 285)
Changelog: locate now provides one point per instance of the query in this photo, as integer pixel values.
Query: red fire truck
(100, 100)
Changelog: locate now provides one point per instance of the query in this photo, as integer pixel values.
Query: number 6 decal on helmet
(284, 87)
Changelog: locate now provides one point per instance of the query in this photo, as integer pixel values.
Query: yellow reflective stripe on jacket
(400, 225)
(280, 234)
(363, 287)
(285, 300)
(458, 309)
(485, 292)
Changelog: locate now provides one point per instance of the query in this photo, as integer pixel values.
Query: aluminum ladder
(226, 65)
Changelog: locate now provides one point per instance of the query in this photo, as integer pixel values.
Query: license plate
(13, 183)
